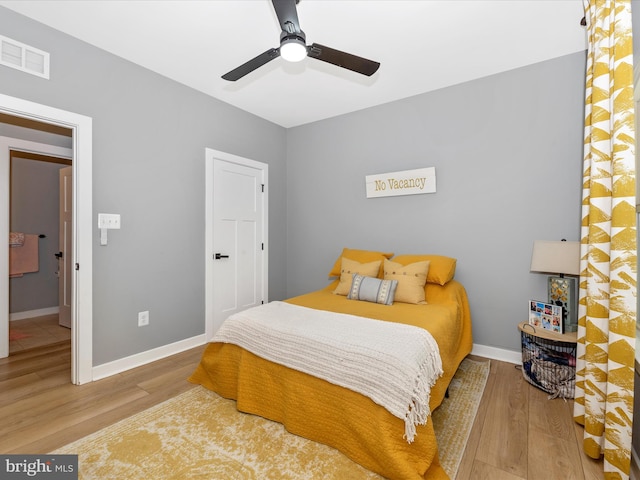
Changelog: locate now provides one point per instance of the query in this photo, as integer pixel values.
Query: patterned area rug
(454, 418)
(201, 435)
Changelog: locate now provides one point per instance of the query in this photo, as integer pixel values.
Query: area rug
(199, 435)
(454, 418)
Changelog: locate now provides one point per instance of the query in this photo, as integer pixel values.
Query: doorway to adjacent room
(39, 269)
(81, 257)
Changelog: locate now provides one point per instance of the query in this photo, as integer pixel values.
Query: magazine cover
(545, 315)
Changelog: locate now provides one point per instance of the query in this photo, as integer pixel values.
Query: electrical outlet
(143, 318)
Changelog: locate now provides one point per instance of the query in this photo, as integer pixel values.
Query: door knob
(219, 256)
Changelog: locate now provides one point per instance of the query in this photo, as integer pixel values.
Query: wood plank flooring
(518, 434)
(36, 332)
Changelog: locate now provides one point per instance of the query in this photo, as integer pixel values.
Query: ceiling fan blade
(251, 65)
(342, 59)
(287, 14)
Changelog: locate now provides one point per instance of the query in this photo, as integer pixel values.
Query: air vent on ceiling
(17, 55)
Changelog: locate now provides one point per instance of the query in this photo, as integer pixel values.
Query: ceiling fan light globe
(293, 50)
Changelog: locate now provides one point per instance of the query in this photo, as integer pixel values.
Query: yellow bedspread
(333, 415)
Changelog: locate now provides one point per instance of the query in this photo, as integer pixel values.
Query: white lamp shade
(556, 257)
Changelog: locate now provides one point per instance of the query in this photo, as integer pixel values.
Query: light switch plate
(109, 220)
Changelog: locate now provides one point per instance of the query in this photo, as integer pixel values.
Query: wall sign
(408, 182)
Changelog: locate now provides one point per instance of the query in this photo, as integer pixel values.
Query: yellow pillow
(441, 268)
(411, 280)
(362, 256)
(349, 267)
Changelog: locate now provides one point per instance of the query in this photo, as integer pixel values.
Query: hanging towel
(24, 259)
(16, 239)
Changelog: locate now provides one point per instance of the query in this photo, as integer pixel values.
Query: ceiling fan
(293, 47)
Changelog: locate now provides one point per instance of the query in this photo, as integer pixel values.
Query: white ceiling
(422, 45)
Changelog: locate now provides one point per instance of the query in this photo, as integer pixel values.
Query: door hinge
(263, 188)
(77, 266)
(263, 246)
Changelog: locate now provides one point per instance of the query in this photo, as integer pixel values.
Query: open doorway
(39, 266)
(82, 257)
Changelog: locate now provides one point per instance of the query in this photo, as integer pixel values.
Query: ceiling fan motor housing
(296, 36)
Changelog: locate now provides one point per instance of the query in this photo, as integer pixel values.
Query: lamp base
(562, 292)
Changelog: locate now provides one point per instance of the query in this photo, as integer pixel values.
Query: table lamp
(561, 258)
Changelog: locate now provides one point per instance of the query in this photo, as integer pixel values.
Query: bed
(337, 416)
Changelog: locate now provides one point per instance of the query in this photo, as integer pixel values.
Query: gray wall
(508, 156)
(34, 209)
(149, 139)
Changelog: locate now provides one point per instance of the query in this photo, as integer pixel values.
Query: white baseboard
(497, 354)
(33, 313)
(139, 359)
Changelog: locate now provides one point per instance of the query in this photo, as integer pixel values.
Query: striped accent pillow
(372, 289)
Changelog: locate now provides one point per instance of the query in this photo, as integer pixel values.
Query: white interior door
(237, 254)
(65, 246)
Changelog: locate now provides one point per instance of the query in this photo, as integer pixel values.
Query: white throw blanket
(395, 365)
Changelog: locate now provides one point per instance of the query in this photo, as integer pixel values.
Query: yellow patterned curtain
(607, 309)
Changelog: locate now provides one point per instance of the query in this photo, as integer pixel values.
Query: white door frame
(82, 256)
(210, 156)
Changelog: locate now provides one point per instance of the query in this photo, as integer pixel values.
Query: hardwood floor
(518, 434)
(36, 332)
(40, 409)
